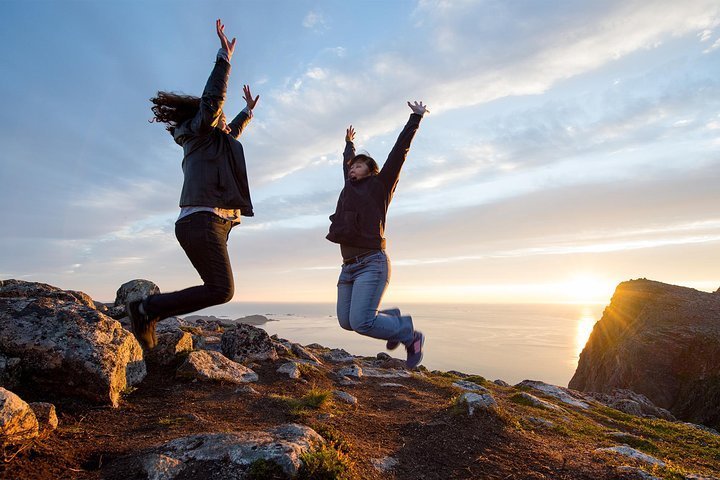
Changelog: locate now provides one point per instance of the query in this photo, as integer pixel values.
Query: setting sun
(587, 289)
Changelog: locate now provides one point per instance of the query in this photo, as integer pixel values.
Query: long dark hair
(173, 109)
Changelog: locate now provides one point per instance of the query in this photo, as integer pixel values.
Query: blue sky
(570, 145)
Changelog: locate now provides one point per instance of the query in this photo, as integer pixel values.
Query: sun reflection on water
(585, 324)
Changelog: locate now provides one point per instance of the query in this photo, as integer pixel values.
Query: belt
(356, 259)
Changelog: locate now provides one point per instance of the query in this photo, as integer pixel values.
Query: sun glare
(584, 328)
(586, 289)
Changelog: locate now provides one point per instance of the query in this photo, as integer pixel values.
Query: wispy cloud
(315, 20)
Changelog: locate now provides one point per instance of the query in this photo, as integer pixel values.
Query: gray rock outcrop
(9, 372)
(46, 417)
(214, 366)
(659, 340)
(17, 420)
(481, 402)
(65, 345)
(135, 290)
(632, 403)
(246, 343)
(172, 345)
(233, 453)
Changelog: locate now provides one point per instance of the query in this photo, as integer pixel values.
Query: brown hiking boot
(142, 327)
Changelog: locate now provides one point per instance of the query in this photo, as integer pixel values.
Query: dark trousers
(203, 236)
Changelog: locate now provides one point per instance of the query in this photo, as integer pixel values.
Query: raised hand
(229, 46)
(350, 134)
(418, 107)
(249, 98)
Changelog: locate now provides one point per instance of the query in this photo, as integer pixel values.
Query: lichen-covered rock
(304, 353)
(46, 417)
(470, 386)
(630, 452)
(632, 403)
(345, 397)
(246, 343)
(65, 345)
(10, 372)
(135, 290)
(17, 420)
(478, 402)
(659, 340)
(384, 464)
(534, 401)
(338, 355)
(351, 371)
(233, 453)
(172, 345)
(214, 366)
(565, 395)
(291, 369)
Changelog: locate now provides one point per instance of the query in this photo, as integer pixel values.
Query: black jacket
(214, 162)
(359, 218)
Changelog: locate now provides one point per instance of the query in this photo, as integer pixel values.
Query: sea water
(511, 342)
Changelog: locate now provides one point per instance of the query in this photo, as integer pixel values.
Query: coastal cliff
(659, 340)
(79, 399)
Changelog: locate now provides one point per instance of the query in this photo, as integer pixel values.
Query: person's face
(358, 170)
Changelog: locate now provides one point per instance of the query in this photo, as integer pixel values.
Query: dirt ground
(417, 425)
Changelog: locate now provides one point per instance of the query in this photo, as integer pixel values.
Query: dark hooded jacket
(359, 218)
(214, 164)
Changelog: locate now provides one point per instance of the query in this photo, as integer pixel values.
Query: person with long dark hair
(358, 225)
(214, 196)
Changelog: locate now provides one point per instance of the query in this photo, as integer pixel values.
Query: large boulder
(207, 365)
(17, 420)
(230, 455)
(172, 345)
(659, 340)
(135, 290)
(65, 345)
(246, 343)
(9, 372)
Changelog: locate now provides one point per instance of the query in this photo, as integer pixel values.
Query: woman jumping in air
(358, 225)
(214, 195)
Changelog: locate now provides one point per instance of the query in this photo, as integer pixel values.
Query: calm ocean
(509, 342)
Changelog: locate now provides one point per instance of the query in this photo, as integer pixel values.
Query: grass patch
(334, 438)
(128, 390)
(308, 371)
(636, 442)
(325, 463)
(478, 379)
(522, 400)
(614, 414)
(314, 399)
(171, 421)
(265, 470)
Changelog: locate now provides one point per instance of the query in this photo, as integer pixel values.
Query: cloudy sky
(571, 145)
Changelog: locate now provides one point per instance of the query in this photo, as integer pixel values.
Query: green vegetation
(478, 379)
(314, 399)
(265, 470)
(325, 463)
(522, 400)
(310, 372)
(333, 437)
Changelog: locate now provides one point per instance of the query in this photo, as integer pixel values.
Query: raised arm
(243, 118)
(349, 151)
(213, 96)
(390, 172)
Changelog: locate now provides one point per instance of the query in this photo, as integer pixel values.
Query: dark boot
(143, 327)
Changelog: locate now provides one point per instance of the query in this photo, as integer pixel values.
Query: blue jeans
(360, 289)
